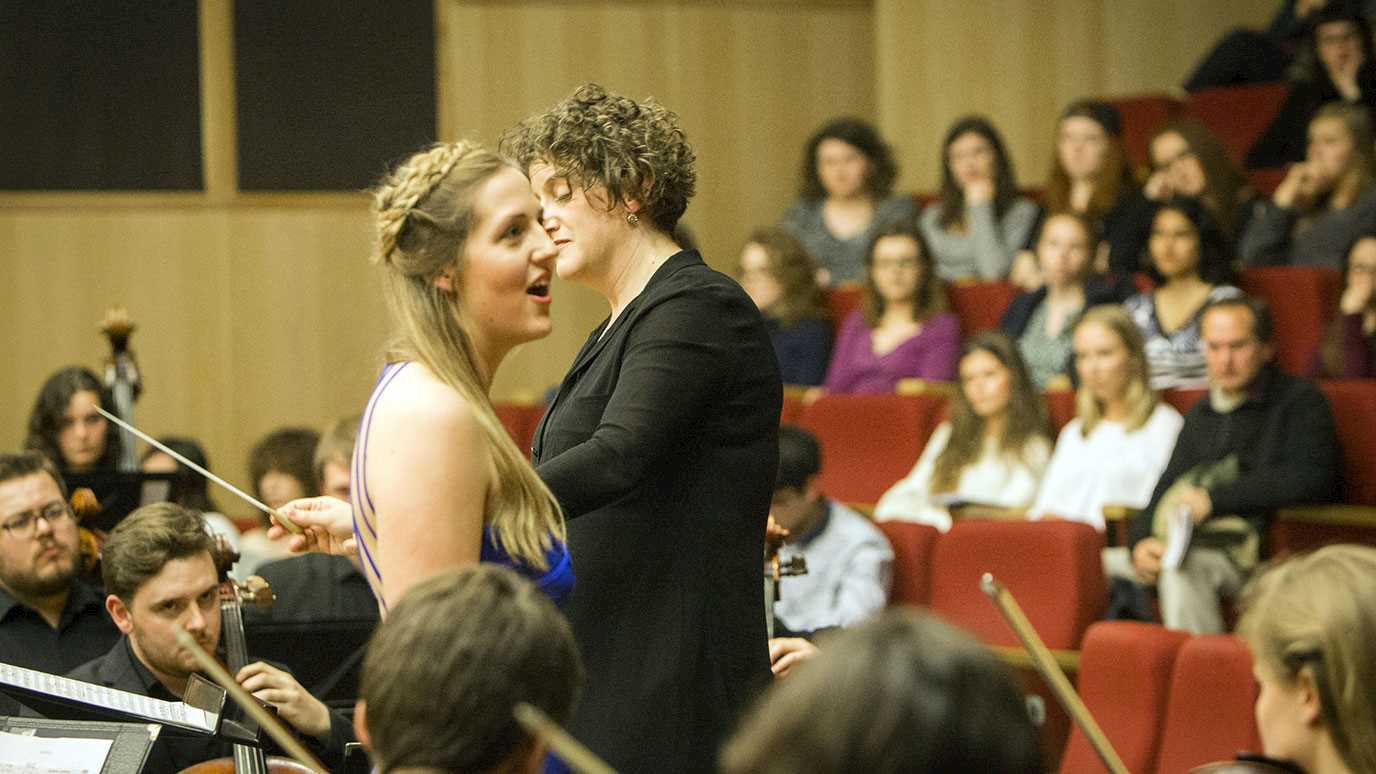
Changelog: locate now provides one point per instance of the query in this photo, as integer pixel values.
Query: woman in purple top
(902, 330)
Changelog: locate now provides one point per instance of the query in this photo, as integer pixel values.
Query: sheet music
(24, 754)
(1178, 533)
(146, 707)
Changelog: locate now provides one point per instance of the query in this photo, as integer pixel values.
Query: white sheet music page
(98, 695)
(23, 754)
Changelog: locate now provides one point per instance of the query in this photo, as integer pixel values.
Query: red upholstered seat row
(1302, 299)
(1166, 701)
(1237, 114)
(1052, 568)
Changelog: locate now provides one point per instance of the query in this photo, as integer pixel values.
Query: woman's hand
(1158, 187)
(979, 191)
(1358, 296)
(327, 525)
(788, 652)
(1025, 273)
(1300, 186)
(294, 704)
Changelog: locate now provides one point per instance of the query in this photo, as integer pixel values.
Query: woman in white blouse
(989, 458)
(1115, 448)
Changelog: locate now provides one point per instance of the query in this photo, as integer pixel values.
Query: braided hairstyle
(425, 211)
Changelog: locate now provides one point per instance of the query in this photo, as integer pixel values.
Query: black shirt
(121, 669)
(84, 631)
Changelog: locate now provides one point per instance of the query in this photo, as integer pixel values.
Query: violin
(775, 569)
(90, 540)
(234, 596)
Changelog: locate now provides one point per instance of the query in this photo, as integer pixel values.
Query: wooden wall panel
(1020, 62)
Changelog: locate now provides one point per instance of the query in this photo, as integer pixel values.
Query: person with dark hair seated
(160, 574)
(1348, 350)
(65, 427)
(847, 186)
(1191, 266)
(902, 693)
(849, 561)
(282, 468)
(49, 619)
(980, 220)
(191, 489)
(453, 657)
(1262, 440)
(1310, 623)
(902, 329)
(781, 278)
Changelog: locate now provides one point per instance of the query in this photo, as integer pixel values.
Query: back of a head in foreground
(445, 668)
(904, 692)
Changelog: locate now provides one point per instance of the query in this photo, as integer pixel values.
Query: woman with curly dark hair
(781, 278)
(65, 427)
(661, 443)
(847, 182)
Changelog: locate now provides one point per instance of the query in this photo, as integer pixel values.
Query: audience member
(902, 693)
(65, 427)
(1190, 267)
(980, 221)
(1114, 450)
(990, 457)
(849, 560)
(282, 468)
(1324, 202)
(902, 330)
(1262, 440)
(1091, 175)
(333, 454)
(1311, 625)
(1338, 68)
(1349, 347)
(1187, 159)
(1247, 56)
(781, 278)
(191, 489)
(454, 656)
(847, 183)
(49, 619)
(160, 574)
(1041, 320)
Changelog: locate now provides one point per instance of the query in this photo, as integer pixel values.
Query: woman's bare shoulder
(416, 400)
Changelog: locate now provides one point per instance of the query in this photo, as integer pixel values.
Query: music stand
(130, 743)
(120, 493)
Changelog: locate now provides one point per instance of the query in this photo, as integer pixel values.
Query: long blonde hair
(425, 211)
(1315, 614)
(1140, 399)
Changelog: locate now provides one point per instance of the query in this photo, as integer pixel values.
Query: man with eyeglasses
(49, 620)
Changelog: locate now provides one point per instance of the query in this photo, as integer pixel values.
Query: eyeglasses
(24, 525)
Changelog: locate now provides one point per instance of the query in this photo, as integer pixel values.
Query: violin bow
(570, 750)
(291, 526)
(266, 721)
(1051, 672)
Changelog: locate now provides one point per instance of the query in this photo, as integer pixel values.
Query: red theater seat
(869, 441)
(1051, 567)
(1142, 115)
(1354, 410)
(1237, 114)
(1266, 181)
(1060, 408)
(1302, 300)
(912, 561)
(520, 420)
(1209, 715)
(1124, 679)
(1182, 400)
(841, 301)
(979, 305)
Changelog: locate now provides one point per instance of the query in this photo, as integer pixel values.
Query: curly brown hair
(635, 150)
(796, 272)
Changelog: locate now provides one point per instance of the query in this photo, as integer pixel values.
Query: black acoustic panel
(331, 92)
(99, 95)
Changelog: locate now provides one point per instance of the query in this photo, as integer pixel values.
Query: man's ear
(812, 488)
(119, 613)
(361, 725)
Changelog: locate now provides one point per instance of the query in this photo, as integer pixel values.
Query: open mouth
(539, 290)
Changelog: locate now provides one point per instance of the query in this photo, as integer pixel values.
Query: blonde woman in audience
(847, 194)
(990, 457)
(1311, 625)
(980, 221)
(1121, 438)
(781, 278)
(1091, 175)
(1191, 266)
(902, 329)
(1325, 201)
(1041, 320)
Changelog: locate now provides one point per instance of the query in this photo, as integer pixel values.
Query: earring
(632, 218)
